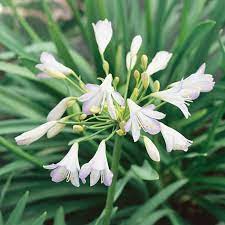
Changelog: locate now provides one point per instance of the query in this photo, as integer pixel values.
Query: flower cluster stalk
(111, 191)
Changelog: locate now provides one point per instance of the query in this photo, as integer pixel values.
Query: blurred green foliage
(191, 186)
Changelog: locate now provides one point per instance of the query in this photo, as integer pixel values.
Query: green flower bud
(78, 129)
(116, 81)
(83, 116)
(136, 75)
(121, 132)
(145, 80)
(144, 61)
(95, 109)
(156, 86)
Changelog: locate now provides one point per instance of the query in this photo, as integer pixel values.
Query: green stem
(75, 85)
(127, 84)
(112, 188)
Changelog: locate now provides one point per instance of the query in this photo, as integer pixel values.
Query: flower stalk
(111, 191)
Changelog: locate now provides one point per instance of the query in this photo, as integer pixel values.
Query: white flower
(173, 139)
(99, 95)
(51, 67)
(175, 97)
(151, 149)
(68, 168)
(97, 167)
(130, 61)
(131, 57)
(159, 62)
(34, 134)
(143, 117)
(56, 129)
(103, 34)
(135, 45)
(196, 83)
(57, 112)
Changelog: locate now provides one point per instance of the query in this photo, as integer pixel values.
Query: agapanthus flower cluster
(133, 111)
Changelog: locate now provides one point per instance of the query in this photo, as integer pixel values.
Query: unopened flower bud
(144, 61)
(71, 102)
(55, 74)
(83, 116)
(136, 75)
(105, 66)
(122, 124)
(57, 128)
(156, 86)
(95, 109)
(145, 80)
(116, 81)
(135, 94)
(121, 132)
(78, 129)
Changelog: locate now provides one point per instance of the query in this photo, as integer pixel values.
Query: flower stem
(127, 84)
(112, 188)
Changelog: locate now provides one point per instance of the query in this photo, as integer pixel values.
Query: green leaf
(1, 219)
(59, 40)
(41, 219)
(139, 216)
(155, 216)
(17, 213)
(20, 105)
(19, 152)
(33, 35)
(59, 217)
(146, 172)
(215, 123)
(17, 70)
(120, 185)
(7, 39)
(5, 189)
(198, 33)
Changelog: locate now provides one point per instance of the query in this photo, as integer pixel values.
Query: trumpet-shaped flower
(103, 34)
(196, 83)
(97, 167)
(34, 134)
(135, 45)
(131, 57)
(159, 62)
(68, 168)
(143, 117)
(51, 67)
(175, 97)
(56, 129)
(151, 149)
(57, 112)
(173, 139)
(99, 95)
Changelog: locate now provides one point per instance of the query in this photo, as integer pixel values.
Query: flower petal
(107, 177)
(59, 174)
(34, 134)
(151, 149)
(94, 177)
(135, 45)
(103, 34)
(85, 171)
(159, 62)
(57, 112)
(118, 98)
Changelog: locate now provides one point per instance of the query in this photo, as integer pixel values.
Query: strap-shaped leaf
(17, 213)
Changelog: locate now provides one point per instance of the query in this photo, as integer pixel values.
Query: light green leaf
(40, 220)
(146, 172)
(59, 217)
(17, 213)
